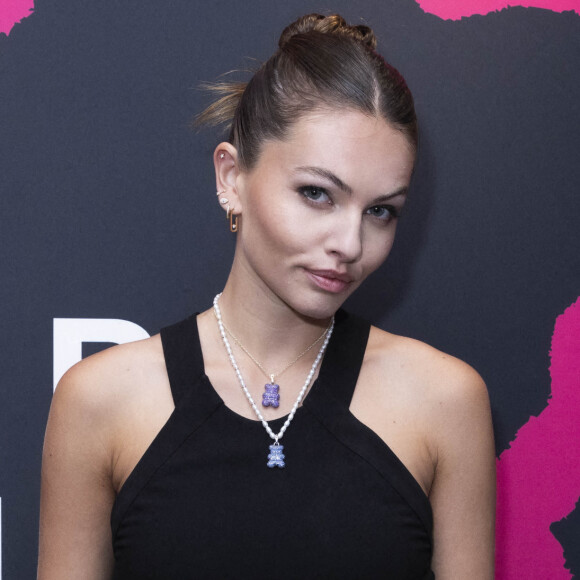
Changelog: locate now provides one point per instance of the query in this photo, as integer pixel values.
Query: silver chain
(273, 435)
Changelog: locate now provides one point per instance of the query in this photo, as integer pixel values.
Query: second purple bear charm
(271, 398)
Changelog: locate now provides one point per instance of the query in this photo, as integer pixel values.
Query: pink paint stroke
(13, 11)
(457, 9)
(538, 477)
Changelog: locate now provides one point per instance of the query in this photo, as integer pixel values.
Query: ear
(225, 160)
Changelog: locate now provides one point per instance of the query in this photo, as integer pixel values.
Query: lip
(330, 280)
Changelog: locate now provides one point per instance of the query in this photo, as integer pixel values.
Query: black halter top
(202, 503)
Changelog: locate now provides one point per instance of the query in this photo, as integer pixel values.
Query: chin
(320, 307)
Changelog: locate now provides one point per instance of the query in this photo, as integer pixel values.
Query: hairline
(324, 110)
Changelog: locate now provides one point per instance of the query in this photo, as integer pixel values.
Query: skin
(322, 199)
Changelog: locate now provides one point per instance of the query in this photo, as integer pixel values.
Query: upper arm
(463, 491)
(76, 490)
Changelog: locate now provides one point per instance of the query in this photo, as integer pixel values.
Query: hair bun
(333, 24)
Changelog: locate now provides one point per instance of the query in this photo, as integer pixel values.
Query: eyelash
(307, 190)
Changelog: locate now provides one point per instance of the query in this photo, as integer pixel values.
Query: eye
(384, 212)
(314, 194)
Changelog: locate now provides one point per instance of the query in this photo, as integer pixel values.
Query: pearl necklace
(276, 455)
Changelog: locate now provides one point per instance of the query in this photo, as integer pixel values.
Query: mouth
(330, 280)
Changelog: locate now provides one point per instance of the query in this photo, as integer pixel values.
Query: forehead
(349, 143)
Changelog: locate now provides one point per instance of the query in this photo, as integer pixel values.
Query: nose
(345, 237)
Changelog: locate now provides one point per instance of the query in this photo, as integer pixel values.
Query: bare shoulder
(99, 381)
(122, 393)
(442, 382)
(442, 401)
(117, 362)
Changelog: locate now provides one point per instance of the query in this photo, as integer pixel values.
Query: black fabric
(201, 502)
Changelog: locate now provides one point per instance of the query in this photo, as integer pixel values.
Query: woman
(274, 435)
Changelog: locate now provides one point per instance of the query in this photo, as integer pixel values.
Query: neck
(266, 326)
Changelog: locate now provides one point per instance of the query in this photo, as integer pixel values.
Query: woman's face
(319, 209)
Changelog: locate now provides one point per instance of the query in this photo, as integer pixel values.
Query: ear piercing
(222, 155)
(233, 219)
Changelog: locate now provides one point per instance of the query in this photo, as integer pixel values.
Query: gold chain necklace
(271, 396)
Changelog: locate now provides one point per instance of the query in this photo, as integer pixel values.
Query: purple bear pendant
(276, 456)
(271, 397)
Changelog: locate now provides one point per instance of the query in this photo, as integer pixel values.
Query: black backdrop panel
(108, 202)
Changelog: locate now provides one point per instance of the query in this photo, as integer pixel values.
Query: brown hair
(321, 62)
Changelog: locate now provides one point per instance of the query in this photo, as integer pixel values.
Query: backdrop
(108, 215)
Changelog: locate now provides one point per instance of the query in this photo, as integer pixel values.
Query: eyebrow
(320, 172)
(326, 174)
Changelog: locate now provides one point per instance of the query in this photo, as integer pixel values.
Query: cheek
(281, 221)
(272, 229)
(377, 248)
